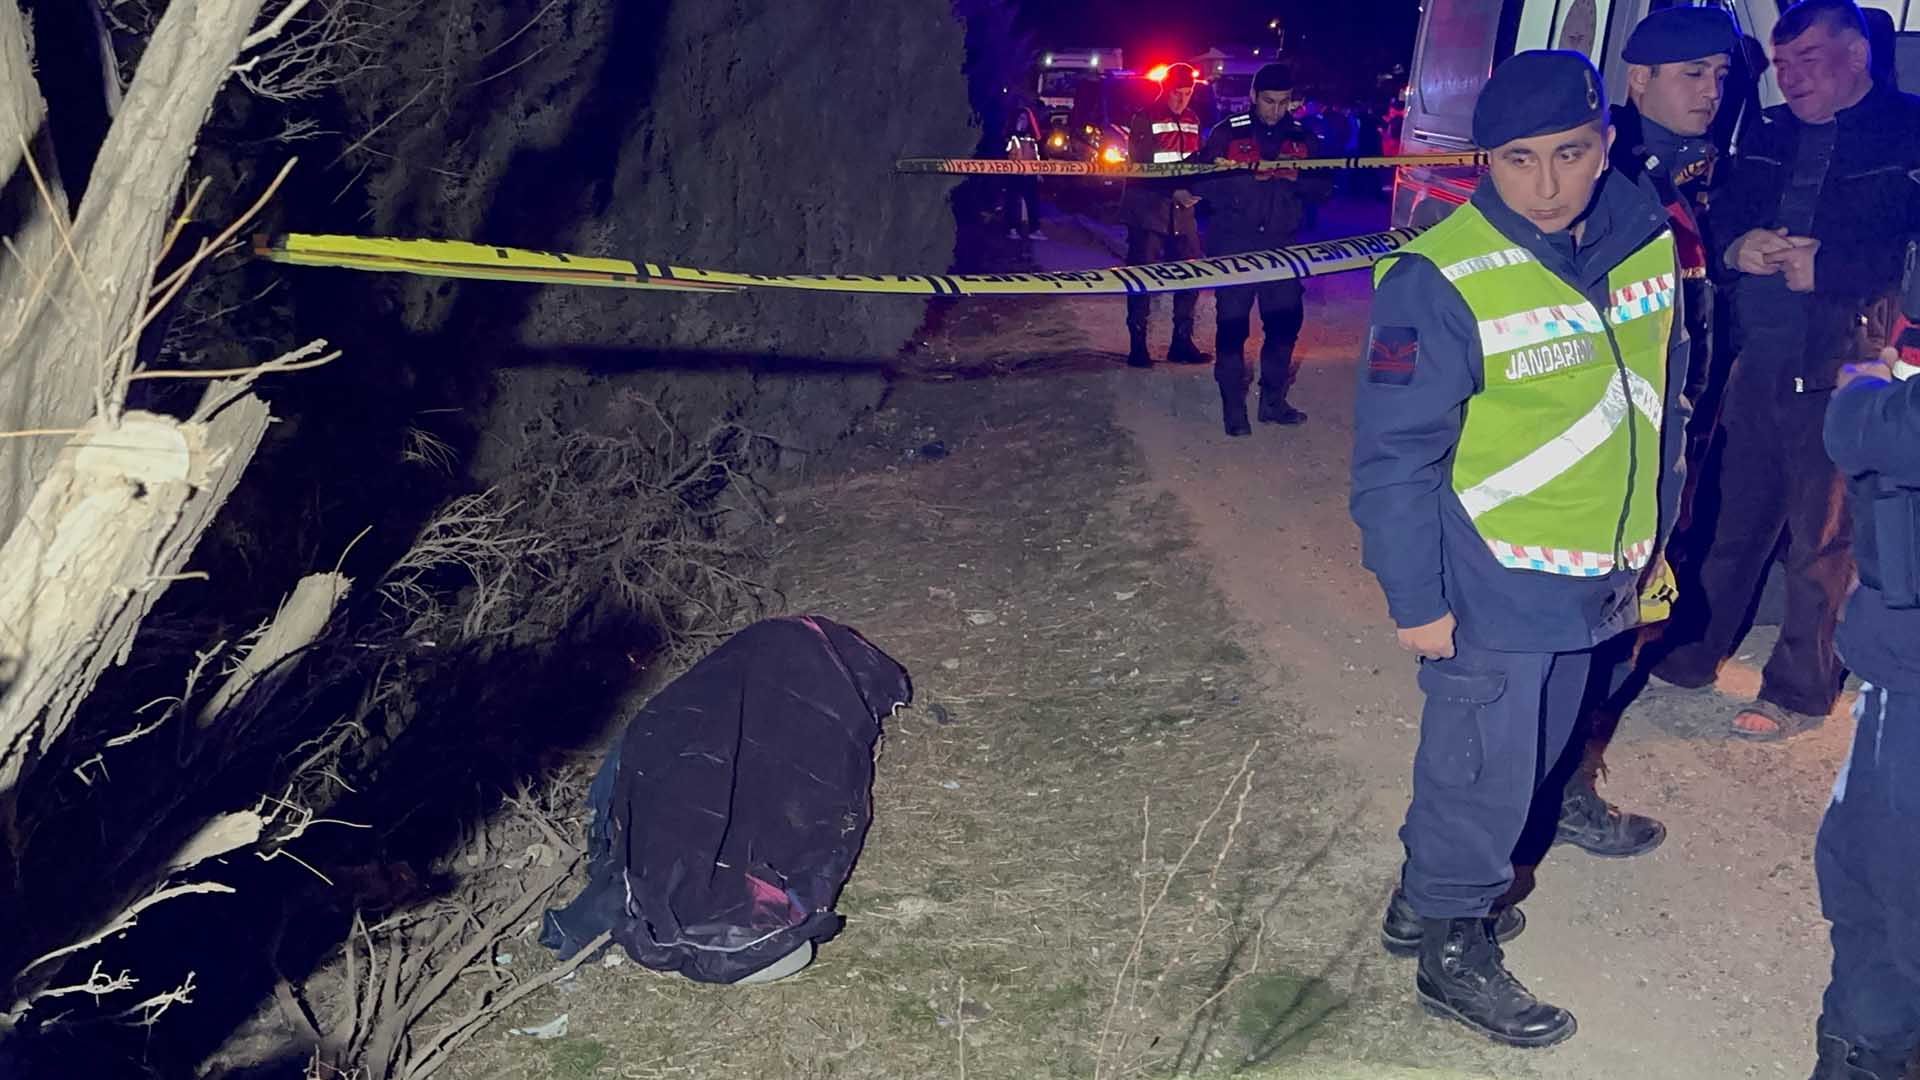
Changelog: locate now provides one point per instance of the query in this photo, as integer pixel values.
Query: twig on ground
(1116, 1037)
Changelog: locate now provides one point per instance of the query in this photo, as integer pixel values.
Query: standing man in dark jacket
(1678, 60)
(1161, 225)
(1817, 213)
(1517, 462)
(1868, 853)
(1253, 211)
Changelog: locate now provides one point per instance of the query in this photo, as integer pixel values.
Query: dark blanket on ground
(729, 816)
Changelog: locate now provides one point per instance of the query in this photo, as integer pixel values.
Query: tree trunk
(71, 315)
(105, 535)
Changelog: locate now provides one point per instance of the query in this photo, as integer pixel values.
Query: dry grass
(1071, 661)
(1005, 910)
(1015, 912)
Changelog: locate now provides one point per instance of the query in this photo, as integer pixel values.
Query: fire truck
(1460, 41)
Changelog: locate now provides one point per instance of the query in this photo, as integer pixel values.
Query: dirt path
(1108, 607)
(1705, 959)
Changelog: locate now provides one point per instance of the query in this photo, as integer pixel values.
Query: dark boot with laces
(1841, 1060)
(1463, 976)
(1598, 827)
(1401, 930)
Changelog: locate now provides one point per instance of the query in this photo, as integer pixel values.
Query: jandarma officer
(1511, 536)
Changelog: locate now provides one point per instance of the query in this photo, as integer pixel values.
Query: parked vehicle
(1058, 72)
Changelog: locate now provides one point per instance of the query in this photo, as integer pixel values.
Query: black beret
(1273, 77)
(1536, 92)
(1680, 34)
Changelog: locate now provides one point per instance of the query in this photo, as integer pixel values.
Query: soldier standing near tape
(1161, 224)
(1512, 535)
(1253, 211)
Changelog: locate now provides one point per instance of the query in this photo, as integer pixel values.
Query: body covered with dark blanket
(729, 816)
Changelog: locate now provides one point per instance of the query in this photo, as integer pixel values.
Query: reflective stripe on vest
(1559, 459)
(1175, 137)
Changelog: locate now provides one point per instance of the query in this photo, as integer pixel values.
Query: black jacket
(1869, 206)
(1693, 233)
(1416, 536)
(1873, 436)
(1250, 213)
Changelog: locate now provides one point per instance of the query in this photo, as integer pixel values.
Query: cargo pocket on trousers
(1452, 728)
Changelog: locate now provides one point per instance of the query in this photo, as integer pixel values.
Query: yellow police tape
(1151, 170)
(458, 259)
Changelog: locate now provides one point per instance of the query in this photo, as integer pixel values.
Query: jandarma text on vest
(1550, 357)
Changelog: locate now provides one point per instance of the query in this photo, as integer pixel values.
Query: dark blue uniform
(1868, 852)
(1251, 213)
(1507, 701)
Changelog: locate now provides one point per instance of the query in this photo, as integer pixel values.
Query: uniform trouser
(1023, 204)
(1493, 725)
(1149, 246)
(1868, 861)
(1281, 314)
(1774, 480)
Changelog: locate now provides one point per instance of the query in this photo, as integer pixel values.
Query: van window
(1456, 55)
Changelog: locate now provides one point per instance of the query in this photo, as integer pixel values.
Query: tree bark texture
(106, 533)
(67, 316)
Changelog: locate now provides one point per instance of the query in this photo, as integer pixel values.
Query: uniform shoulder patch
(1392, 352)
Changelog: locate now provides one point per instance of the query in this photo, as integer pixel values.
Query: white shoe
(789, 964)
(1036, 235)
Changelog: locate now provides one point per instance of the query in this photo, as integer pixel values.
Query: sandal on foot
(1786, 722)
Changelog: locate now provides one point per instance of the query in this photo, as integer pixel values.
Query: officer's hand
(1433, 641)
(1184, 199)
(1881, 369)
(1754, 253)
(1797, 262)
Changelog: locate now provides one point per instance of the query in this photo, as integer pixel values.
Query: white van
(1460, 41)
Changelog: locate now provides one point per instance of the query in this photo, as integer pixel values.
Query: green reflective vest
(1559, 458)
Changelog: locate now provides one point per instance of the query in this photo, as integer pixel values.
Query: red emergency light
(1158, 74)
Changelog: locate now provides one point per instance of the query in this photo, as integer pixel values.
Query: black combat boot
(1137, 354)
(1233, 412)
(1401, 931)
(1595, 825)
(1275, 410)
(1464, 977)
(1841, 1060)
(1184, 351)
(1229, 374)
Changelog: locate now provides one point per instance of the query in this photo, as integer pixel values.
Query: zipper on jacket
(1633, 446)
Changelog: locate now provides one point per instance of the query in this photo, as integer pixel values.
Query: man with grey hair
(1818, 211)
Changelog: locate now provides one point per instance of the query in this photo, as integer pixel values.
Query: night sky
(1373, 34)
